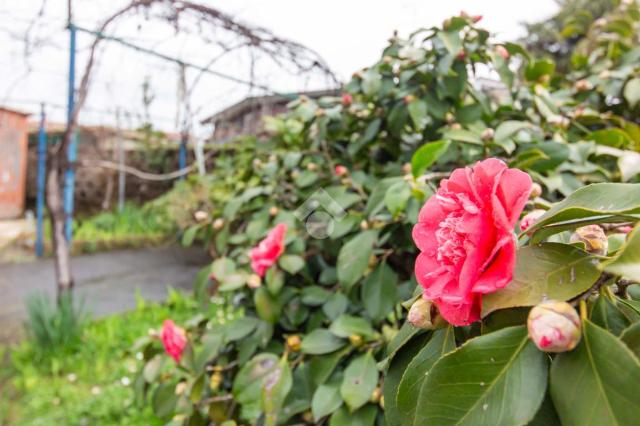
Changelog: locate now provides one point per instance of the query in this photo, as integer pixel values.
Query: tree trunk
(61, 252)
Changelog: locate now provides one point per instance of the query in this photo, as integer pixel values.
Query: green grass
(91, 385)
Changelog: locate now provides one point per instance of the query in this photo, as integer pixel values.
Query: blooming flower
(174, 339)
(340, 170)
(554, 326)
(465, 236)
(530, 218)
(265, 254)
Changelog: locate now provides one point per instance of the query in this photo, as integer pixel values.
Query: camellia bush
(426, 248)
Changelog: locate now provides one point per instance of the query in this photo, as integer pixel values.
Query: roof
(14, 111)
(250, 103)
(100, 130)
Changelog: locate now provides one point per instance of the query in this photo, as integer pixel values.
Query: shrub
(314, 331)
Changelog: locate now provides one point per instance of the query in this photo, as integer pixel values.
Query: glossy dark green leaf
(496, 379)
(631, 337)
(426, 155)
(627, 261)
(291, 263)
(347, 325)
(408, 392)
(359, 381)
(268, 307)
(164, 399)
(326, 400)
(596, 383)
(321, 341)
(315, 295)
(353, 259)
(596, 203)
(546, 271)
(608, 316)
(366, 416)
(379, 292)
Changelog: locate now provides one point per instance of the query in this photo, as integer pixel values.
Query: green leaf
(366, 416)
(268, 307)
(611, 137)
(222, 267)
(291, 263)
(321, 367)
(190, 235)
(247, 385)
(347, 325)
(451, 40)
(508, 129)
(315, 295)
(275, 388)
(442, 342)
(463, 136)
(418, 113)
(596, 383)
(335, 306)
(152, 369)
(608, 316)
(632, 91)
(537, 69)
(626, 262)
(306, 178)
(164, 399)
(496, 379)
(596, 203)
(631, 337)
(239, 328)
(426, 155)
(379, 292)
(546, 271)
(353, 258)
(359, 382)
(326, 400)
(396, 197)
(321, 341)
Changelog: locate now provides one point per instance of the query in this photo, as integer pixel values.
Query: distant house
(245, 117)
(13, 161)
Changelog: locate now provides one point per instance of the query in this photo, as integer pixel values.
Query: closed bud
(218, 224)
(201, 216)
(347, 99)
(320, 112)
(376, 395)
(312, 167)
(582, 85)
(530, 218)
(256, 162)
(273, 211)
(593, 237)
(387, 59)
(536, 190)
(554, 326)
(364, 225)
(424, 314)
(406, 167)
(476, 18)
(503, 52)
(604, 75)
(340, 170)
(295, 174)
(408, 99)
(294, 343)
(254, 281)
(559, 121)
(307, 416)
(273, 158)
(450, 118)
(487, 134)
(181, 387)
(356, 340)
(215, 381)
(456, 126)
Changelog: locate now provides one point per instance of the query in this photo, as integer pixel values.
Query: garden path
(107, 282)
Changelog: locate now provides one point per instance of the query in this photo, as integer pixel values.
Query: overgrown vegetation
(90, 383)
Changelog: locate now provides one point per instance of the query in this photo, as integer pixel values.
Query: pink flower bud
(530, 218)
(340, 170)
(424, 314)
(554, 326)
(476, 18)
(174, 339)
(536, 190)
(347, 99)
(593, 237)
(502, 51)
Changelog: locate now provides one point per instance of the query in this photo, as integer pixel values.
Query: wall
(13, 161)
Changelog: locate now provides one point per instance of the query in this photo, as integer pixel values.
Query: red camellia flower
(347, 99)
(465, 236)
(340, 170)
(265, 254)
(174, 339)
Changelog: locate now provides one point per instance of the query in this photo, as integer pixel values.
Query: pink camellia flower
(174, 339)
(465, 237)
(341, 170)
(265, 254)
(347, 99)
(502, 51)
(530, 218)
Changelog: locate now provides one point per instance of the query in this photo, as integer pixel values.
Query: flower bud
(559, 121)
(201, 216)
(356, 340)
(312, 167)
(450, 118)
(254, 281)
(487, 134)
(554, 326)
(476, 18)
(387, 59)
(530, 218)
(593, 237)
(375, 395)
(256, 163)
(320, 112)
(218, 224)
(406, 167)
(536, 190)
(294, 343)
(341, 170)
(364, 225)
(273, 211)
(583, 85)
(408, 99)
(181, 387)
(424, 314)
(215, 381)
(502, 51)
(456, 126)
(347, 99)
(273, 158)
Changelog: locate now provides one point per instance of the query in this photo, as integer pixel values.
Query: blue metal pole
(69, 183)
(182, 157)
(42, 170)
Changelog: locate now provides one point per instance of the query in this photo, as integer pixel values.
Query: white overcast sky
(348, 34)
